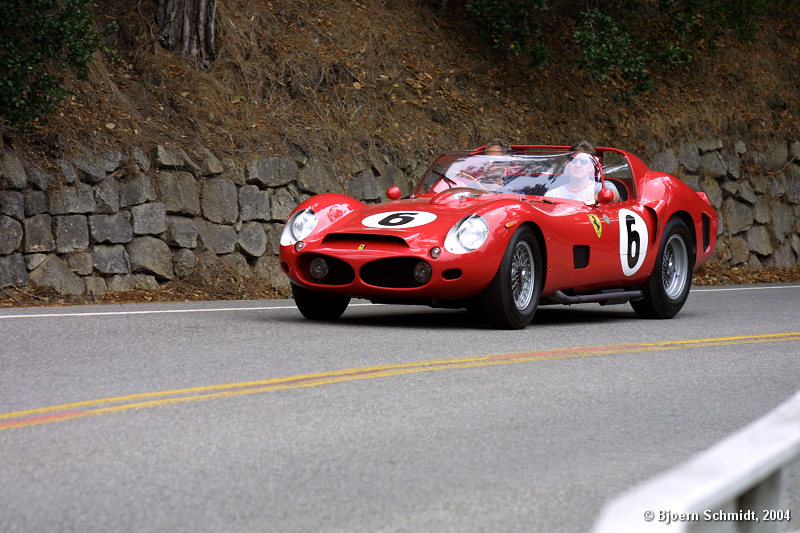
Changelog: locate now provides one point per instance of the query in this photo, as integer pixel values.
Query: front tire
(510, 300)
(318, 305)
(668, 286)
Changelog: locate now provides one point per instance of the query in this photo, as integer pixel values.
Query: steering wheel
(491, 186)
(471, 181)
(464, 180)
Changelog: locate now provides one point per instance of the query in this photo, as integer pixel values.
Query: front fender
(505, 217)
(329, 207)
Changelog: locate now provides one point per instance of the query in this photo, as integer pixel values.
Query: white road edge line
(226, 309)
(160, 311)
(747, 288)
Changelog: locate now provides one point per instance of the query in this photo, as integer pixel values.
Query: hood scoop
(364, 238)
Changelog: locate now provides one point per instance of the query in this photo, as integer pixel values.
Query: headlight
(298, 227)
(467, 236)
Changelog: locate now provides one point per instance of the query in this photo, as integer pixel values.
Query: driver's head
(581, 167)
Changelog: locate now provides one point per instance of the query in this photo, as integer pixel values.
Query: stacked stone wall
(125, 219)
(755, 191)
(119, 220)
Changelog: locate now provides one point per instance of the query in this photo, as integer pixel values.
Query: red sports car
(502, 235)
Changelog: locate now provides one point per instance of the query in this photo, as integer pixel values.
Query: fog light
(318, 268)
(436, 252)
(422, 272)
(299, 246)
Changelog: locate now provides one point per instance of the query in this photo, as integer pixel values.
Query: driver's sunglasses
(580, 161)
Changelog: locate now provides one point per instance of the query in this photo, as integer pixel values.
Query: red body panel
(477, 268)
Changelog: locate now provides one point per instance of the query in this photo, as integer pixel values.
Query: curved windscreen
(528, 174)
(554, 174)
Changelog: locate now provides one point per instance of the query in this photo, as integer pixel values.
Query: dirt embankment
(344, 79)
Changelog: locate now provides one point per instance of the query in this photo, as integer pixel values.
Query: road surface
(243, 416)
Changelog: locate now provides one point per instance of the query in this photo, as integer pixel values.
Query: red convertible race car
(502, 234)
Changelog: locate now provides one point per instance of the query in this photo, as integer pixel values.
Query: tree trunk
(188, 27)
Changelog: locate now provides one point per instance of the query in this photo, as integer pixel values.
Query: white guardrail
(737, 485)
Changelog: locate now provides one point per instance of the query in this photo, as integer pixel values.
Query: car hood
(413, 216)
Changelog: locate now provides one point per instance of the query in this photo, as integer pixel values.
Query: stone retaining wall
(128, 219)
(755, 192)
(121, 220)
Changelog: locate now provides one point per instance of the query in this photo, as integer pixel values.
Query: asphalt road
(243, 416)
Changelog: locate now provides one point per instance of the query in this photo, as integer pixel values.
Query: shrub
(37, 39)
(511, 25)
(667, 32)
(608, 47)
(622, 42)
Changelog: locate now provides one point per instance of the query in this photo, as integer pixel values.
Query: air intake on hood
(364, 237)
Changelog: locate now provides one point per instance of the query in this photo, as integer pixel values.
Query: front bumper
(386, 270)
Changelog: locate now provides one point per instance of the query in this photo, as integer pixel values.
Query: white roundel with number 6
(633, 239)
(399, 219)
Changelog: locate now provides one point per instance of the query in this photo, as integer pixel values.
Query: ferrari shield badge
(596, 224)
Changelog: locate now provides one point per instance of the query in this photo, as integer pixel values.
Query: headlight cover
(467, 235)
(298, 227)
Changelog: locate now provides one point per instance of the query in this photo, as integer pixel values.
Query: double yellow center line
(69, 411)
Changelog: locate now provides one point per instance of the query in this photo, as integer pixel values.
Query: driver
(582, 170)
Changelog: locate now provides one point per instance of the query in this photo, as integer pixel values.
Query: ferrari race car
(490, 233)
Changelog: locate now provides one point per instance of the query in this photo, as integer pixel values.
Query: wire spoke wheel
(674, 269)
(522, 275)
(511, 298)
(668, 286)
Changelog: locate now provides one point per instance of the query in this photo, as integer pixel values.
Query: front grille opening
(340, 272)
(396, 272)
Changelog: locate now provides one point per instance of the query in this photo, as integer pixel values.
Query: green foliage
(708, 19)
(621, 42)
(37, 36)
(608, 47)
(665, 36)
(511, 25)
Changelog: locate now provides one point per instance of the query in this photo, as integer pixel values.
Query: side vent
(580, 255)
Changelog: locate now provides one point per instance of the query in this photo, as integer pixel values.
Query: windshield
(525, 173)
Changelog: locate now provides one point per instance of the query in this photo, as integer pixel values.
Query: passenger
(583, 171)
(496, 147)
(489, 173)
(495, 172)
(485, 172)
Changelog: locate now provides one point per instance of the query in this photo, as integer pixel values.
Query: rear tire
(319, 305)
(510, 300)
(668, 286)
